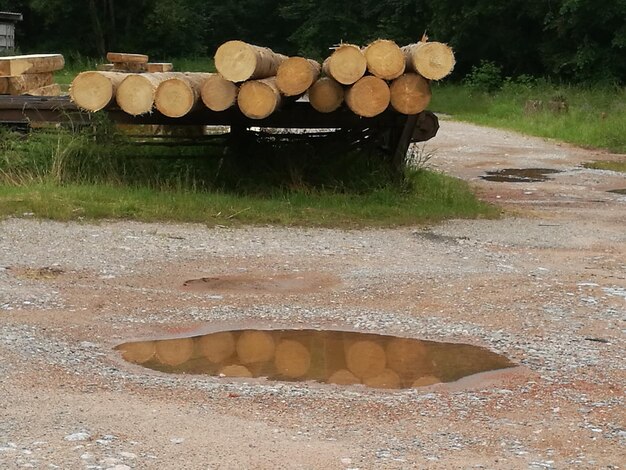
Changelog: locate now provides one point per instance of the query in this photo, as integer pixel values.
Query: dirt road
(545, 286)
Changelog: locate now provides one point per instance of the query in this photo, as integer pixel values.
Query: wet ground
(543, 287)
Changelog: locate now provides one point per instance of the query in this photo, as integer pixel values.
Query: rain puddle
(618, 191)
(335, 357)
(519, 175)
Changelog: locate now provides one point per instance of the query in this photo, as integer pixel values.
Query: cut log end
(93, 91)
(218, 94)
(258, 98)
(410, 93)
(135, 95)
(365, 359)
(217, 347)
(175, 97)
(385, 59)
(238, 61)
(174, 352)
(326, 95)
(368, 97)
(292, 359)
(432, 60)
(346, 65)
(296, 74)
(255, 346)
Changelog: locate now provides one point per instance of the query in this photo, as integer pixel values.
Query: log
(139, 352)
(432, 60)
(425, 381)
(259, 98)
(368, 97)
(105, 67)
(174, 352)
(177, 96)
(408, 357)
(386, 379)
(217, 347)
(13, 66)
(124, 57)
(129, 67)
(23, 83)
(347, 64)
(410, 93)
(255, 346)
(235, 370)
(326, 95)
(47, 90)
(136, 94)
(238, 61)
(292, 359)
(218, 94)
(296, 75)
(385, 59)
(343, 377)
(365, 358)
(93, 91)
(154, 67)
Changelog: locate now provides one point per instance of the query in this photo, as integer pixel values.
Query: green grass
(596, 117)
(608, 165)
(68, 176)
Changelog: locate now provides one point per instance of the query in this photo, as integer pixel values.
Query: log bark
(179, 95)
(238, 61)
(123, 57)
(368, 97)
(24, 83)
(432, 60)
(13, 66)
(136, 94)
(154, 67)
(296, 74)
(47, 90)
(347, 64)
(93, 91)
(259, 98)
(218, 94)
(385, 59)
(326, 95)
(410, 93)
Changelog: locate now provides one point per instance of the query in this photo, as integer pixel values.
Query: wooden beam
(12, 66)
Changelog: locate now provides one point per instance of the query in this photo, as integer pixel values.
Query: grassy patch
(589, 117)
(68, 176)
(608, 165)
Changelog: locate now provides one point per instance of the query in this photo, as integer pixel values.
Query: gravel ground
(545, 285)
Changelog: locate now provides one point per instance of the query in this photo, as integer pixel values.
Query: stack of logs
(30, 74)
(368, 80)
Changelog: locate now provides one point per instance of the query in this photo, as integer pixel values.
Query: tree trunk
(94, 91)
(296, 74)
(178, 95)
(136, 93)
(326, 95)
(385, 59)
(218, 94)
(238, 61)
(346, 65)
(23, 83)
(432, 60)
(259, 98)
(97, 28)
(12, 66)
(368, 97)
(410, 93)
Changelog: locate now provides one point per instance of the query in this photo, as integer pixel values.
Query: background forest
(578, 41)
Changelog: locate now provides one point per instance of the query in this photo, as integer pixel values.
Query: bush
(486, 77)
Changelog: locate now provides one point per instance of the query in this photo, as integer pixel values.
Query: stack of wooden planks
(369, 80)
(30, 74)
(136, 63)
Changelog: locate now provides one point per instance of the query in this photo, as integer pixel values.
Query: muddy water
(618, 191)
(519, 175)
(337, 357)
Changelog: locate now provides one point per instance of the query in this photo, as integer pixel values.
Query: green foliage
(486, 77)
(573, 40)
